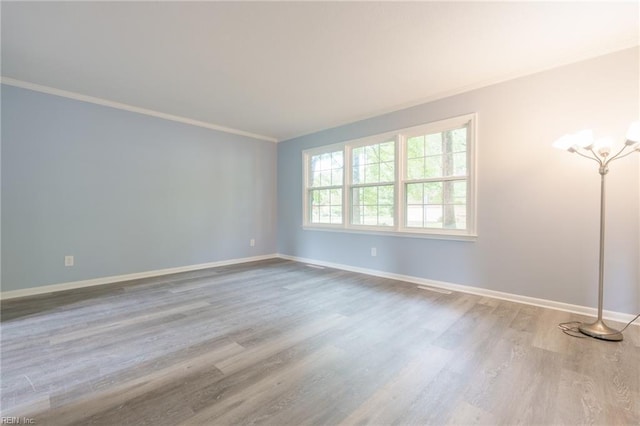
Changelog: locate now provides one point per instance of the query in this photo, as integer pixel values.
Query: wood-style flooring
(281, 343)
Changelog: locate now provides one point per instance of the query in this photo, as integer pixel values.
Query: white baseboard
(544, 303)
(12, 294)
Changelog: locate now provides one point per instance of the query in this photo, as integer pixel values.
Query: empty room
(320, 213)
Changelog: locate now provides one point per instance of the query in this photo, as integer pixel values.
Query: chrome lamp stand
(582, 144)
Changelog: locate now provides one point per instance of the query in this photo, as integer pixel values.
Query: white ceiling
(283, 69)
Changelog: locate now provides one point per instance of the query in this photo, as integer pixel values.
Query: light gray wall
(538, 208)
(124, 192)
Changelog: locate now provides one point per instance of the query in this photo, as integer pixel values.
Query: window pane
(336, 177)
(433, 166)
(434, 144)
(385, 195)
(415, 216)
(370, 215)
(336, 214)
(325, 214)
(415, 193)
(371, 154)
(322, 197)
(372, 173)
(315, 179)
(433, 216)
(461, 217)
(455, 164)
(385, 215)
(357, 176)
(373, 205)
(456, 192)
(433, 193)
(325, 161)
(337, 160)
(444, 154)
(449, 216)
(387, 151)
(460, 164)
(387, 172)
(336, 197)
(326, 169)
(358, 165)
(415, 147)
(415, 168)
(326, 205)
(370, 195)
(459, 140)
(374, 163)
(358, 152)
(325, 178)
(437, 204)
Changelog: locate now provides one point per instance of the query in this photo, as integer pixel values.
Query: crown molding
(125, 107)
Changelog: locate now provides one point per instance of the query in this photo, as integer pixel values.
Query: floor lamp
(582, 143)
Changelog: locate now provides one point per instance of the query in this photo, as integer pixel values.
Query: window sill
(395, 233)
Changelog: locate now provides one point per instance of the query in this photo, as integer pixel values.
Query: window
(372, 188)
(436, 180)
(419, 180)
(325, 189)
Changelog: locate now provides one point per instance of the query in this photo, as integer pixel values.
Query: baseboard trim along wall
(127, 277)
(544, 303)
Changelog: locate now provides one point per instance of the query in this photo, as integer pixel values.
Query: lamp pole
(582, 144)
(599, 329)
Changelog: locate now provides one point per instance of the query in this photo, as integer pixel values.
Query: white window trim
(399, 228)
(348, 187)
(306, 173)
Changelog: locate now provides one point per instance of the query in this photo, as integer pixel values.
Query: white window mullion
(399, 183)
(346, 195)
(472, 174)
(306, 172)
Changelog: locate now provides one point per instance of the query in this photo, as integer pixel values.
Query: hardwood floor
(282, 343)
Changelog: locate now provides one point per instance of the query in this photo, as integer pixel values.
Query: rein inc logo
(14, 420)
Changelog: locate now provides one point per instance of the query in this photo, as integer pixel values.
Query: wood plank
(280, 343)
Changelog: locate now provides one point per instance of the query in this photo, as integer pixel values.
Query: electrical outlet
(252, 242)
(374, 251)
(68, 261)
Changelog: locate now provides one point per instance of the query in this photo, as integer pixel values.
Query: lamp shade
(565, 142)
(633, 134)
(584, 138)
(603, 146)
(571, 141)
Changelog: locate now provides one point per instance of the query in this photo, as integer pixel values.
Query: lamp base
(600, 330)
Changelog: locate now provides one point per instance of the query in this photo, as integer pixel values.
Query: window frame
(349, 185)
(307, 188)
(400, 182)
